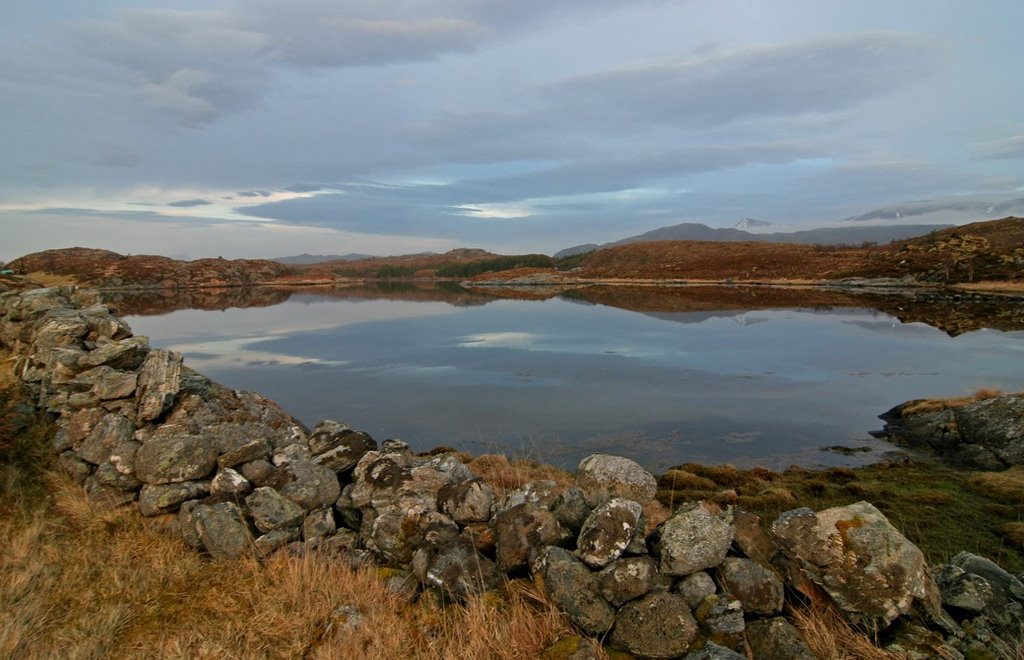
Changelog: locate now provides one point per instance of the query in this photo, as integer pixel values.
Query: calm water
(557, 380)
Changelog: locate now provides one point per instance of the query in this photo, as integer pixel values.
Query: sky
(263, 128)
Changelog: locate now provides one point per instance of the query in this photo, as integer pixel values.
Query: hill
(305, 259)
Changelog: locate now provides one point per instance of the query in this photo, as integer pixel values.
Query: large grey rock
(229, 483)
(712, 651)
(455, 569)
(759, 588)
(159, 382)
(186, 524)
(571, 509)
(870, 570)
(246, 452)
(657, 626)
(720, 618)
(155, 500)
(111, 384)
(601, 476)
(338, 447)
(318, 523)
(171, 457)
(109, 476)
(694, 588)
(693, 539)
(270, 510)
(104, 496)
(223, 530)
(571, 586)
(111, 431)
(777, 638)
(996, 424)
(123, 355)
(520, 532)
(983, 592)
(541, 492)
(607, 531)
(468, 501)
(627, 578)
(307, 484)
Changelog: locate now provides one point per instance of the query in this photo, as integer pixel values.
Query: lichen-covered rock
(266, 544)
(573, 588)
(109, 476)
(228, 482)
(600, 477)
(455, 569)
(693, 539)
(573, 647)
(571, 509)
(521, 531)
(165, 498)
(318, 523)
(270, 510)
(777, 638)
(721, 620)
(759, 588)
(307, 484)
(111, 431)
(338, 447)
(467, 502)
(257, 471)
(170, 457)
(111, 384)
(712, 651)
(985, 594)
(74, 466)
(159, 382)
(870, 570)
(223, 530)
(997, 424)
(186, 524)
(123, 355)
(246, 452)
(607, 531)
(105, 496)
(657, 626)
(541, 492)
(627, 578)
(752, 538)
(694, 588)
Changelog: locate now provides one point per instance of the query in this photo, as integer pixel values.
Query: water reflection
(744, 378)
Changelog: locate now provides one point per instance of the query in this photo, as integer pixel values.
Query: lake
(699, 374)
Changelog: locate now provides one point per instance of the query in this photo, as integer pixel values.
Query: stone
(627, 579)
(104, 496)
(468, 501)
(760, 589)
(122, 457)
(123, 355)
(692, 540)
(868, 569)
(114, 385)
(571, 586)
(657, 626)
(245, 453)
(344, 456)
(223, 530)
(74, 466)
(573, 647)
(600, 476)
(457, 570)
(186, 524)
(997, 424)
(257, 472)
(721, 620)
(80, 424)
(751, 538)
(111, 431)
(271, 510)
(318, 523)
(170, 457)
(266, 544)
(542, 492)
(571, 509)
(961, 590)
(712, 651)
(521, 531)
(327, 434)
(694, 588)
(109, 476)
(159, 382)
(291, 453)
(228, 482)
(777, 638)
(307, 484)
(348, 514)
(166, 498)
(607, 531)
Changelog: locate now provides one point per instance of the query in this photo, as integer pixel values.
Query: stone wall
(137, 428)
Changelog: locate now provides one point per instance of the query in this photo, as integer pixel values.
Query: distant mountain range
(303, 259)
(753, 223)
(951, 209)
(689, 231)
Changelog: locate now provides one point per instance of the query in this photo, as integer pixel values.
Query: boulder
(600, 477)
(223, 530)
(759, 588)
(996, 424)
(542, 492)
(111, 431)
(777, 638)
(246, 452)
(228, 482)
(307, 484)
(607, 531)
(693, 539)
(627, 579)
(721, 620)
(318, 523)
(870, 570)
(155, 500)
(571, 586)
(112, 385)
(455, 569)
(571, 509)
(694, 588)
(270, 510)
(468, 501)
(521, 531)
(159, 382)
(712, 651)
(170, 457)
(103, 496)
(122, 355)
(657, 626)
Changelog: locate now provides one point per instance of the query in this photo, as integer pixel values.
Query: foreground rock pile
(239, 476)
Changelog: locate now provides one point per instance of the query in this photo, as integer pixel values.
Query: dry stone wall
(136, 427)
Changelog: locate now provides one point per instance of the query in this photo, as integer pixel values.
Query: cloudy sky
(273, 127)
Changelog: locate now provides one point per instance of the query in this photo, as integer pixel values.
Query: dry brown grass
(1008, 484)
(80, 583)
(50, 279)
(935, 405)
(829, 636)
(505, 476)
(1014, 533)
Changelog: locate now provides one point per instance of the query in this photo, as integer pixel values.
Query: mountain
(948, 209)
(753, 223)
(303, 259)
(689, 231)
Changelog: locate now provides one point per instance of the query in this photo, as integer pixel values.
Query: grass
(935, 405)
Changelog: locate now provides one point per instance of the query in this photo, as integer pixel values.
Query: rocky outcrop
(987, 434)
(239, 477)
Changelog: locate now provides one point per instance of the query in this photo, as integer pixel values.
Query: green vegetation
(472, 268)
(572, 261)
(391, 272)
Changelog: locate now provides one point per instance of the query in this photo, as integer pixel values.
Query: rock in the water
(607, 531)
(170, 457)
(520, 531)
(154, 500)
(573, 588)
(870, 570)
(307, 484)
(657, 626)
(693, 539)
(757, 587)
(159, 382)
(601, 477)
(270, 510)
(777, 638)
(223, 530)
(627, 578)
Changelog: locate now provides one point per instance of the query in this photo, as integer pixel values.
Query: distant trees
(471, 268)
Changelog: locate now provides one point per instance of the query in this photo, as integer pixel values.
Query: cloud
(189, 203)
(1010, 148)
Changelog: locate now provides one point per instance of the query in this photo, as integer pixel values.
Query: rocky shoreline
(237, 475)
